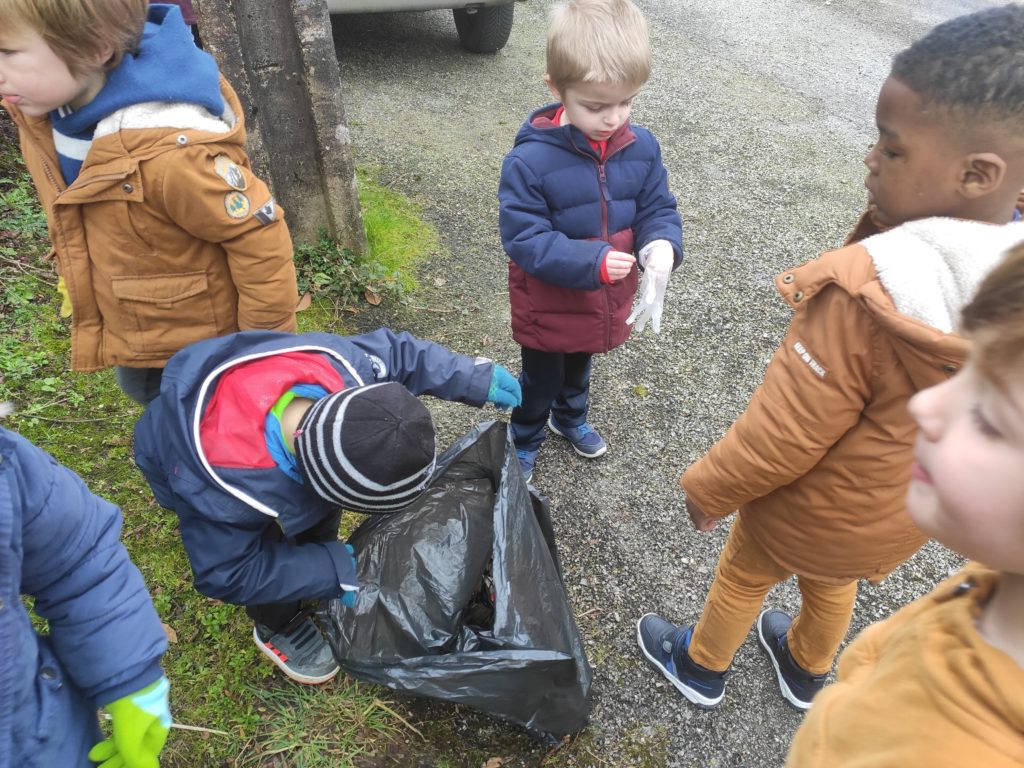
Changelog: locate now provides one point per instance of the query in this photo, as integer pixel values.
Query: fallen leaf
(172, 636)
(494, 762)
(304, 302)
(371, 298)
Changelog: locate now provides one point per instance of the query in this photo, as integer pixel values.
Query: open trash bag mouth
(461, 596)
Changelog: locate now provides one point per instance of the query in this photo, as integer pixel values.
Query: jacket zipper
(605, 195)
(602, 183)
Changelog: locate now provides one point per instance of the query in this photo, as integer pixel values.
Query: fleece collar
(932, 267)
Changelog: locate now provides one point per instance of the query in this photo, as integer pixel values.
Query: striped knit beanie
(368, 449)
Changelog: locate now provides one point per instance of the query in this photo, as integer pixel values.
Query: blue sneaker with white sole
(665, 645)
(526, 461)
(584, 439)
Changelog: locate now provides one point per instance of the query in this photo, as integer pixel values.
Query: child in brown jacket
(940, 682)
(818, 465)
(162, 234)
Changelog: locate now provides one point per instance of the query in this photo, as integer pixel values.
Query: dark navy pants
(555, 383)
(140, 384)
(277, 616)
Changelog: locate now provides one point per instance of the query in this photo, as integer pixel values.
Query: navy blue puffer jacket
(59, 544)
(562, 207)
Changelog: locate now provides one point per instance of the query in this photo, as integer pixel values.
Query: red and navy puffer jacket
(562, 207)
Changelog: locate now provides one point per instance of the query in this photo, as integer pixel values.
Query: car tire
(485, 30)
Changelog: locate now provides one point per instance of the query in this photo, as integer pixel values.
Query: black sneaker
(798, 686)
(665, 646)
(299, 650)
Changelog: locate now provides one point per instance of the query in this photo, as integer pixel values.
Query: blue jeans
(276, 616)
(555, 383)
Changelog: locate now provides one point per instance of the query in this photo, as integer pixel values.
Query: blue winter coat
(59, 544)
(562, 208)
(226, 507)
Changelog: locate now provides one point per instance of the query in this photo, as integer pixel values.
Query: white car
(483, 25)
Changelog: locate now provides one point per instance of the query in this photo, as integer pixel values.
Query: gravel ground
(764, 111)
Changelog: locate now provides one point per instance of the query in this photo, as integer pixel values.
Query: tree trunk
(279, 56)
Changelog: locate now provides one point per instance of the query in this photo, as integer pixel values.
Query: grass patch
(397, 238)
(341, 725)
(394, 230)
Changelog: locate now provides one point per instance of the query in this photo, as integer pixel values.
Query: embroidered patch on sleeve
(236, 204)
(230, 172)
(813, 364)
(267, 212)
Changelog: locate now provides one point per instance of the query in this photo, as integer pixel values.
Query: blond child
(939, 683)
(584, 201)
(162, 235)
(818, 465)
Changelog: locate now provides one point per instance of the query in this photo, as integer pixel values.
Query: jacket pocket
(48, 695)
(163, 313)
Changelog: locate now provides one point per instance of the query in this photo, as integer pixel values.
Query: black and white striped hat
(369, 449)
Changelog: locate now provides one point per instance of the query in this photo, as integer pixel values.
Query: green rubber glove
(141, 723)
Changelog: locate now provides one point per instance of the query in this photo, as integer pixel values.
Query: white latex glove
(657, 258)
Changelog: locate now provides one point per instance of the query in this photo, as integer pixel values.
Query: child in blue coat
(259, 439)
(59, 545)
(584, 201)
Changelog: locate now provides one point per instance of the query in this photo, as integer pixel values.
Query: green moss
(396, 234)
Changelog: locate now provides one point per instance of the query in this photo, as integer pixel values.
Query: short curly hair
(973, 65)
(80, 31)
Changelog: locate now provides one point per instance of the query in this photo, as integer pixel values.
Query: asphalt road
(764, 111)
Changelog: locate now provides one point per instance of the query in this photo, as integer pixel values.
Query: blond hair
(995, 318)
(598, 41)
(80, 32)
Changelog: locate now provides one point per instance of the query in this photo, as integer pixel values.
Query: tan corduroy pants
(745, 574)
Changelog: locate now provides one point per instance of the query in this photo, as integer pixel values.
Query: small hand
(505, 391)
(700, 521)
(658, 256)
(141, 722)
(618, 264)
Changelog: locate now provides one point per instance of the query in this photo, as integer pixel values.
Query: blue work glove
(505, 391)
(348, 597)
(141, 722)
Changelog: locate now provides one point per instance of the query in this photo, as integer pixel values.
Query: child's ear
(103, 56)
(983, 173)
(551, 87)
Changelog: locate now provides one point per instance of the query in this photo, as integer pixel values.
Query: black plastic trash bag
(461, 596)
